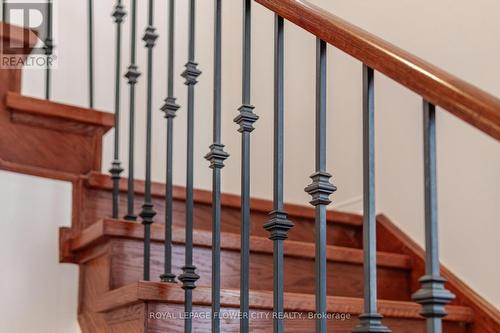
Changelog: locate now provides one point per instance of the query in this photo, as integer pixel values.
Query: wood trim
(103, 181)
(143, 291)
(460, 98)
(487, 317)
(65, 236)
(104, 229)
(44, 108)
(37, 171)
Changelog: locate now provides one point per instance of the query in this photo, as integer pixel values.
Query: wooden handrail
(460, 98)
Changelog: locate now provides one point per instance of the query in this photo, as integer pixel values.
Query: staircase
(58, 141)
(114, 299)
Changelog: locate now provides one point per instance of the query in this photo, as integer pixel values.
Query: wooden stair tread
(145, 291)
(103, 181)
(229, 241)
(45, 108)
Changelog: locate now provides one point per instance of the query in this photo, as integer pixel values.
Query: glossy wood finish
(70, 145)
(37, 171)
(72, 142)
(161, 298)
(345, 264)
(42, 108)
(43, 138)
(96, 200)
(130, 230)
(462, 99)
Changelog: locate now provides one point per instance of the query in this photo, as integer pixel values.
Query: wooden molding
(21, 105)
(37, 171)
(107, 228)
(467, 102)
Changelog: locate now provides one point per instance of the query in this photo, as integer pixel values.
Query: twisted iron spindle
(216, 156)
(91, 51)
(148, 213)
(132, 75)
(320, 189)
(169, 108)
(278, 224)
(245, 119)
(370, 320)
(191, 74)
(116, 169)
(432, 296)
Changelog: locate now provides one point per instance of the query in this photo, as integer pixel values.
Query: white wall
(38, 293)
(459, 36)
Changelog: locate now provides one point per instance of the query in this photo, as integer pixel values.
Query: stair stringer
(391, 238)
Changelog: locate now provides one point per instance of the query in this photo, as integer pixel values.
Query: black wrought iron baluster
(116, 169)
(245, 119)
(91, 51)
(191, 74)
(370, 320)
(148, 213)
(48, 48)
(278, 224)
(432, 296)
(170, 108)
(216, 156)
(132, 75)
(320, 189)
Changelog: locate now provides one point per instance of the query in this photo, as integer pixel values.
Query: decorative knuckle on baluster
(132, 74)
(433, 296)
(170, 107)
(150, 36)
(278, 225)
(48, 46)
(148, 213)
(188, 277)
(246, 118)
(115, 169)
(168, 277)
(191, 73)
(216, 156)
(371, 323)
(119, 13)
(320, 189)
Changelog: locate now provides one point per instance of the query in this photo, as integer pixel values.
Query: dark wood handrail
(460, 98)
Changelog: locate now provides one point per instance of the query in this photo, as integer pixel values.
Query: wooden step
(123, 244)
(71, 137)
(40, 137)
(156, 307)
(344, 229)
